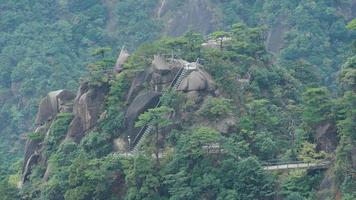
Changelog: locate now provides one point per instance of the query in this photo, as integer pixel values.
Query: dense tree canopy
(282, 71)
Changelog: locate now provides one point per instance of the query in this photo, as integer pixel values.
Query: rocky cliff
(88, 108)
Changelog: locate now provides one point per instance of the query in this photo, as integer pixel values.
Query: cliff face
(88, 108)
(88, 105)
(194, 15)
(55, 102)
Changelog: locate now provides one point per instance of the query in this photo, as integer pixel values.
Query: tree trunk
(157, 146)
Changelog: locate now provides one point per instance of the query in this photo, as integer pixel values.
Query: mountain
(271, 84)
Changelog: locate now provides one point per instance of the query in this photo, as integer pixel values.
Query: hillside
(267, 82)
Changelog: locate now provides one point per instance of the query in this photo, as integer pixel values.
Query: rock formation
(52, 104)
(87, 108)
(139, 105)
(197, 80)
(122, 58)
(194, 15)
(326, 137)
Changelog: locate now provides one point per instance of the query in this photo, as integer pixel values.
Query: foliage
(46, 46)
(36, 136)
(196, 174)
(308, 153)
(138, 29)
(346, 128)
(57, 131)
(352, 25)
(298, 185)
(214, 108)
(97, 144)
(172, 99)
(113, 120)
(7, 191)
(317, 105)
(43, 48)
(142, 179)
(158, 117)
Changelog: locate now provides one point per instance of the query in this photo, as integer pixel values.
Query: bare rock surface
(194, 15)
(139, 105)
(326, 137)
(353, 157)
(196, 81)
(137, 84)
(122, 58)
(52, 104)
(160, 65)
(275, 37)
(87, 109)
(32, 149)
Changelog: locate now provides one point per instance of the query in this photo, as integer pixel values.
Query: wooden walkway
(297, 165)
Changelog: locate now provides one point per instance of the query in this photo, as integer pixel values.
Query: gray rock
(33, 160)
(163, 72)
(326, 137)
(137, 84)
(197, 81)
(32, 149)
(139, 105)
(225, 125)
(194, 15)
(275, 37)
(353, 157)
(52, 104)
(122, 58)
(87, 109)
(160, 65)
(327, 187)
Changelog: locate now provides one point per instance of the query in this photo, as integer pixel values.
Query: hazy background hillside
(46, 45)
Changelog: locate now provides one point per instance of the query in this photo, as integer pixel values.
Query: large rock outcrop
(87, 109)
(328, 187)
(326, 137)
(162, 72)
(52, 104)
(32, 149)
(275, 37)
(137, 84)
(194, 15)
(197, 80)
(139, 105)
(122, 58)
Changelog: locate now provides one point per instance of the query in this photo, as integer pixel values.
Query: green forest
(214, 96)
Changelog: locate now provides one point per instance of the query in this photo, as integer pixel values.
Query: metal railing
(318, 164)
(144, 131)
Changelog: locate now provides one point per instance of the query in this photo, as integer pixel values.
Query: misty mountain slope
(48, 45)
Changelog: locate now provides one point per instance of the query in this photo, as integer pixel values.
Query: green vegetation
(345, 153)
(215, 108)
(269, 104)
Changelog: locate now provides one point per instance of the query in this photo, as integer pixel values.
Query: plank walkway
(297, 165)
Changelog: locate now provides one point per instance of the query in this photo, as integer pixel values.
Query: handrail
(297, 164)
(143, 129)
(278, 162)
